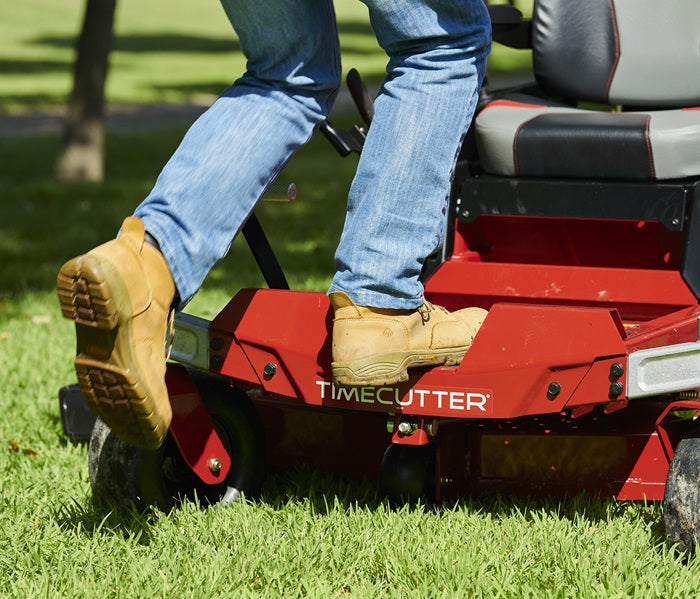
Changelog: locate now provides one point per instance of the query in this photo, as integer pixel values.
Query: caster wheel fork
(407, 473)
(122, 475)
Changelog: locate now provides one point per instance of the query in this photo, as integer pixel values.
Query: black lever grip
(360, 95)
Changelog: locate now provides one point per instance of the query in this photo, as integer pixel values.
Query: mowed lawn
(307, 535)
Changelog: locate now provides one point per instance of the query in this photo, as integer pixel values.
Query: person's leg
(398, 199)
(119, 294)
(232, 152)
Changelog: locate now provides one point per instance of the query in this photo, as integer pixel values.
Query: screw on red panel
(214, 465)
(617, 370)
(269, 371)
(553, 390)
(616, 388)
(407, 427)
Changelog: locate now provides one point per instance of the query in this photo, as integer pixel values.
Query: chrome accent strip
(666, 369)
(191, 340)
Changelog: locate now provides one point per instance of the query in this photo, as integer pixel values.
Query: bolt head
(214, 465)
(553, 390)
(616, 388)
(617, 370)
(405, 428)
(269, 371)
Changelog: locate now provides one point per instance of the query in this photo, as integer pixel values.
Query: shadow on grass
(306, 483)
(94, 519)
(43, 222)
(324, 494)
(24, 67)
(189, 90)
(177, 42)
(153, 42)
(355, 27)
(32, 100)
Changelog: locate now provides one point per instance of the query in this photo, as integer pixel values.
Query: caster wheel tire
(682, 494)
(407, 473)
(122, 475)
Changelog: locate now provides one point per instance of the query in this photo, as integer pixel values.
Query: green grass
(164, 50)
(307, 535)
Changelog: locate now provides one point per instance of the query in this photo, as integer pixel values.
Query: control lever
(350, 140)
(360, 95)
(344, 141)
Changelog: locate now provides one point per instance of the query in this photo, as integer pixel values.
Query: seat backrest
(629, 52)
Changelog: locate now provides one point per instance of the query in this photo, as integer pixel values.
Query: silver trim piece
(666, 369)
(191, 341)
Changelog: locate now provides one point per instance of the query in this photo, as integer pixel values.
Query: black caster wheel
(122, 475)
(682, 493)
(407, 473)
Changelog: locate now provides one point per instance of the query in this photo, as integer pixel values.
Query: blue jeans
(397, 204)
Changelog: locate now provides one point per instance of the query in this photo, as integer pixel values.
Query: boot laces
(427, 308)
(425, 311)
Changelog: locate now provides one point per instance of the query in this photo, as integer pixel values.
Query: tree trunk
(82, 153)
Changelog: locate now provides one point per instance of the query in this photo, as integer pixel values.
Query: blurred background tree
(161, 54)
(82, 150)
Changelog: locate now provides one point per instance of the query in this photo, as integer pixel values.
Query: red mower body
(538, 405)
(574, 219)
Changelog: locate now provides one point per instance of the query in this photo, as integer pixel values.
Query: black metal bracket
(623, 200)
(263, 253)
(509, 27)
(345, 141)
(690, 267)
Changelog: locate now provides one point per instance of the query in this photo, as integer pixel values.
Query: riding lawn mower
(574, 220)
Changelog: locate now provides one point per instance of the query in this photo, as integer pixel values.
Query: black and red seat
(638, 61)
(610, 131)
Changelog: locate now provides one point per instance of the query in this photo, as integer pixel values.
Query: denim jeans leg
(398, 199)
(230, 155)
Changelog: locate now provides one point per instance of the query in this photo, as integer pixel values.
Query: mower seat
(638, 61)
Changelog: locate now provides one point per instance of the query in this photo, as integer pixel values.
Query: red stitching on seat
(511, 104)
(515, 143)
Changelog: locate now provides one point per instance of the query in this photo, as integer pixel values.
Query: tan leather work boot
(120, 297)
(376, 346)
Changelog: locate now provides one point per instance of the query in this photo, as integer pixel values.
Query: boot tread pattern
(84, 295)
(109, 385)
(117, 400)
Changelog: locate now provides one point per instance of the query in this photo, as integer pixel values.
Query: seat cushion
(531, 139)
(629, 52)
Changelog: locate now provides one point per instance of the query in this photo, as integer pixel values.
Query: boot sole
(391, 368)
(94, 296)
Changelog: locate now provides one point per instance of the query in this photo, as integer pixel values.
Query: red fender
(193, 429)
